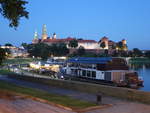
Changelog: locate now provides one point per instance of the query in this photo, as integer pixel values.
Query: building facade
(87, 44)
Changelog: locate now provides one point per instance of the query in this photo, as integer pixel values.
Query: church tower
(54, 36)
(44, 32)
(35, 35)
(36, 38)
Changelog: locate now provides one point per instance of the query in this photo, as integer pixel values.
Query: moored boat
(106, 69)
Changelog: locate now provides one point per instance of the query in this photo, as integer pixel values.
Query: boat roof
(90, 60)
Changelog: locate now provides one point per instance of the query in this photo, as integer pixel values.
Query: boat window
(93, 74)
(88, 73)
(76, 71)
(72, 71)
(80, 72)
(83, 73)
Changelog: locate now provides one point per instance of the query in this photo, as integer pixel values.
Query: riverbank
(27, 103)
(55, 98)
(139, 60)
(123, 93)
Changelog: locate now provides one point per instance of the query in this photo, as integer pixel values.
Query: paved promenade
(124, 107)
(28, 106)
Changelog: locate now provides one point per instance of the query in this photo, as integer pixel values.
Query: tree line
(44, 51)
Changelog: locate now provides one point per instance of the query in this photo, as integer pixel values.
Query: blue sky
(89, 19)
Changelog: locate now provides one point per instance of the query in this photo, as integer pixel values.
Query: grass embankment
(55, 98)
(19, 60)
(6, 72)
(140, 60)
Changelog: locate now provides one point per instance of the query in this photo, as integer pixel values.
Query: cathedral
(87, 44)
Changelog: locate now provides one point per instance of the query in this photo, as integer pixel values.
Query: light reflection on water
(143, 71)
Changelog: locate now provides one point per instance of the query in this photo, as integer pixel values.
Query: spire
(35, 35)
(54, 36)
(44, 32)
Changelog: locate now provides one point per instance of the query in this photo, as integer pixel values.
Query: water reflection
(144, 72)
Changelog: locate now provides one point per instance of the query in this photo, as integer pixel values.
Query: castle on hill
(90, 45)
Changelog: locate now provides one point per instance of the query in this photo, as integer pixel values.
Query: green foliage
(80, 39)
(2, 55)
(44, 51)
(13, 10)
(81, 51)
(8, 44)
(139, 60)
(39, 50)
(59, 49)
(137, 52)
(25, 45)
(147, 54)
(7, 51)
(73, 43)
(103, 45)
(120, 53)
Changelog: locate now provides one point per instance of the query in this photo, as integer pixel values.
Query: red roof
(87, 41)
(66, 40)
(58, 40)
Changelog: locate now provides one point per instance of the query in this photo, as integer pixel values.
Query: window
(93, 74)
(83, 73)
(72, 71)
(88, 73)
(75, 71)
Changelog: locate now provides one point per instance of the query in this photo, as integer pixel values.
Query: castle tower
(35, 39)
(54, 36)
(124, 42)
(35, 35)
(105, 40)
(44, 32)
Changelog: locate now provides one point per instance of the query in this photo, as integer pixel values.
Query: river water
(144, 72)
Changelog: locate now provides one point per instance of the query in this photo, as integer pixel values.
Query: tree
(63, 50)
(137, 52)
(147, 54)
(2, 55)
(81, 51)
(73, 43)
(8, 52)
(119, 45)
(80, 39)
(8, 44)
(39, 50)
(103, 45)
(24, 45)
(59, 49)
(13, 10)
